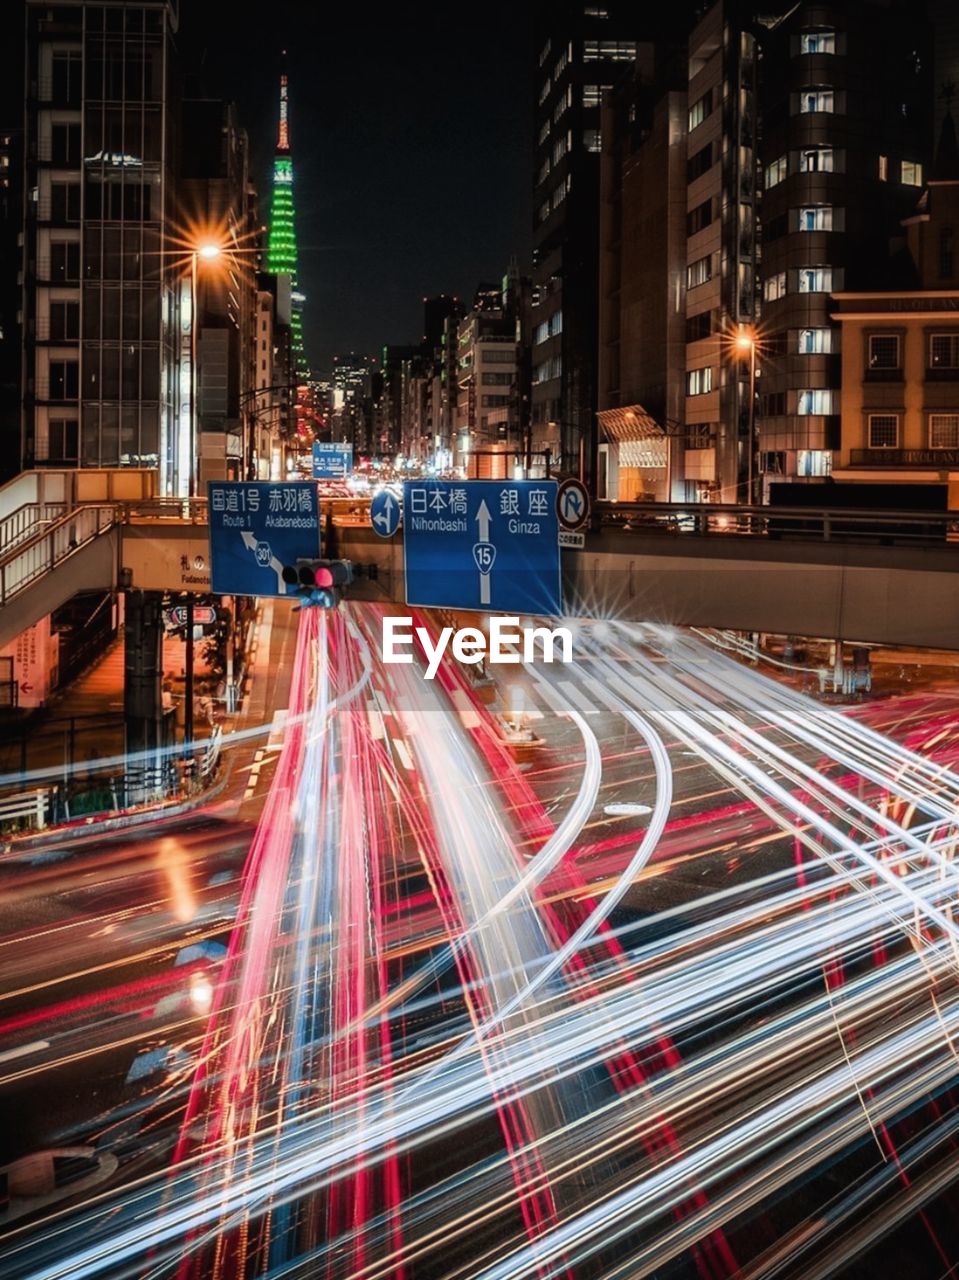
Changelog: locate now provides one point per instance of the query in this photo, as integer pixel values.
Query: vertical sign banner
(482, 544)
(258, 527)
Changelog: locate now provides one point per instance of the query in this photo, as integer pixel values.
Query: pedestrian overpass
(890, 579)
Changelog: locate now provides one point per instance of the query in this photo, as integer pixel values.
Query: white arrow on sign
(484, 553)
(385, 517)
(250, 541)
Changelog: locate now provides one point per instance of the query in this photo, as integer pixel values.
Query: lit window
(816, 160)
(544, 132)
(699, 381)
(593, 94)
(883, 351)
(883, 430)
(560, 147)
(700, 110)
(561, 64)
(815, 402)
(944, 431)
(823, 41)
(594, 11)
(910, 173)
(543, 171)
(613, 50)
(565, 101)
(775, 287)
(944, 351)
(883, 168)
(815, 342)
(815, 279)
(813, 462)
(815, 217)
(544, 90)
(776, 171)
(592, 140)
(812, 100)
(699, 272)
(544, 52)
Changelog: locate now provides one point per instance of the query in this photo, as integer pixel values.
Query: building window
(65, 261)
(774, 404)
(910, 173)
(543, 172)
(773, 463)
(544, 52)
(815, 279)
(67, 77)
(561, 64)
(699, 217)
(822, 41)
(699, 381)
(776, 172)
(548, 369)
(815, 402)
(700, 326)
(944, 351)
(700, 110)
(593, 94)
(544, 132)
(63, 440)
(883, 430)
(775, 287)
(560, 147)
(813, 462)
(65, 321)
(947, 253)
(944, 431)
(883, 168)
(544, 90)
(64, 380)
(611, 50)
(700, 163)
(816, 160)
(699, 272)
(65, 202)
(883, 351)
(565, 101)
(815, 217)
(592, 139)
(815, 342)
(820, 99)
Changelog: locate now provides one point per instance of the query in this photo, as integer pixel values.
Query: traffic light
(319, 583)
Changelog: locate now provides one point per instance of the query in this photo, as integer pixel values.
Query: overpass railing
(817, 524)
(27, 520)
(43, 550)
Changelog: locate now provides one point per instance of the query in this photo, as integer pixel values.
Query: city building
(352, 391)
(900, 350)
(487, 421)
(11, 200)
(642, 326)
(846, 134)
(101, 302)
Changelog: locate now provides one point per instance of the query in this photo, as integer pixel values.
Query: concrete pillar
(142, 676)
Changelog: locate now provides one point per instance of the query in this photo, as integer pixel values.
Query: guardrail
(27, 520)
(42, 551)
(817, 524)
(173, 778)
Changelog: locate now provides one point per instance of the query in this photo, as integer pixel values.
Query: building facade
(100, 305)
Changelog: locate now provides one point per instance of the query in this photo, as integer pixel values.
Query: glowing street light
(746, 343)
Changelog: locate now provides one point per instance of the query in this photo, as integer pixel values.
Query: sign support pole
(188, 688)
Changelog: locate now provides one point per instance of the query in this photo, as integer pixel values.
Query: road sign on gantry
(482, 544)
(332, 461)
(258, 527)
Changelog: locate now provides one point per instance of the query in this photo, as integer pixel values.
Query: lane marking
(34, 1047)
(377, 727)
(577, 698)
(403, 751)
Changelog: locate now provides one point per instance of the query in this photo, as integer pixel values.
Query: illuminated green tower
(281, 246)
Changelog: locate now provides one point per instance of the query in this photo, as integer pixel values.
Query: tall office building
(847, 100)
(100, 311)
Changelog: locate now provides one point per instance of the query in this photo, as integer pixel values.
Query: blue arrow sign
(385, 513)
(482, 544)
(332, 461)
(255, 529)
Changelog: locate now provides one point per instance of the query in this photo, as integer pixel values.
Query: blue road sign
(482, 544)
(258, 527)
(331, 461)
(385, 513)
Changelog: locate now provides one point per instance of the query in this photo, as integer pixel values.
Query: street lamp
(209, 251)
(746, 342)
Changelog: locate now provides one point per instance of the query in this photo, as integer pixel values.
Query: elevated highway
(880, 577)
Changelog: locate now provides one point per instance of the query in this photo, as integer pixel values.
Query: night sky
(411, 132)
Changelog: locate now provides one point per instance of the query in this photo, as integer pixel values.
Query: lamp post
(746, 343)
(208, 252)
